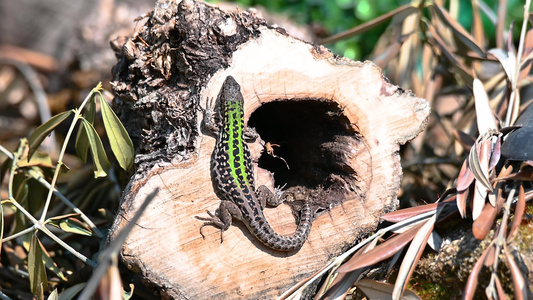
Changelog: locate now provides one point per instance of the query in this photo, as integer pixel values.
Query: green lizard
(233, 174)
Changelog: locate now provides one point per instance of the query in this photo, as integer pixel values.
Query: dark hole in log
(316, 141)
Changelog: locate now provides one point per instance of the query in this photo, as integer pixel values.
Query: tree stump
(335, 126)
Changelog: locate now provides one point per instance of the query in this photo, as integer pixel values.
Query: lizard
(233, 175)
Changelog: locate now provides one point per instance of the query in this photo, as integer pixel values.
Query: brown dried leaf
(341, 285)
(471, 283)
(478, 202)
(381, 252)
(495, 152)
(464, 139)
(459, 32)
(380, 290)
(406, 213)
(110, 287)
(519, 283)
(466, 177)
(478, 162)
(485, 118)
(465, 73)
(462, 197)
(489, 260)
(484, 223)
(526, 175)
(527, 56)
(508, 62)
(478, 34)
(412, 256)
(343, 282)
(519, 212)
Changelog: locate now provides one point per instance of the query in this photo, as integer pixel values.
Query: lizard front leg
(222, 217)
(266, 196)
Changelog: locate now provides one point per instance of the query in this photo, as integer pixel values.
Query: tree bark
(338, 125)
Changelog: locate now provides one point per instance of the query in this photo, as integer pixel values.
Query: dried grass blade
(381, 252)
(462, 35)
(400, 13)
(412, 256)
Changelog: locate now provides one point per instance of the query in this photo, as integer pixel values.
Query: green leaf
(38, 136)
(50, 264)
(82, 141)
(101, 163)
(69, 224)
(38, 159)
(120, 141)
(36, 269)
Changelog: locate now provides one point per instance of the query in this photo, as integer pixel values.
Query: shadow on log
(332, 126)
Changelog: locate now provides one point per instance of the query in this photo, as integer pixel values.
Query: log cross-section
(334, 126)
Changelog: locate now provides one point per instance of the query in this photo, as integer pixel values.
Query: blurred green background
(339, 15)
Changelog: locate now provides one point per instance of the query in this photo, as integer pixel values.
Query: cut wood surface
(345, 154)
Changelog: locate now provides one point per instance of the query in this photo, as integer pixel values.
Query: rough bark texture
(338, 124)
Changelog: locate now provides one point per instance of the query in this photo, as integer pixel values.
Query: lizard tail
(261, 229)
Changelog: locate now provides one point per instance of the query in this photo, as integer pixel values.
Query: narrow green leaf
(50, 264)
(70, 224)
(82, 141)
(38, 136)
(36, 269)
(101, 163)
(120, 141)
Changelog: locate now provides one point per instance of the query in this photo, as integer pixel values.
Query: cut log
(334, 125)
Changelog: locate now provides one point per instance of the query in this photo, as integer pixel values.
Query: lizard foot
(213, 220)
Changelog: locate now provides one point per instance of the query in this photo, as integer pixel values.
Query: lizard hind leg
(222, 218)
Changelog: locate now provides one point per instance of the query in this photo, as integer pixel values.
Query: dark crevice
(314, 139)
